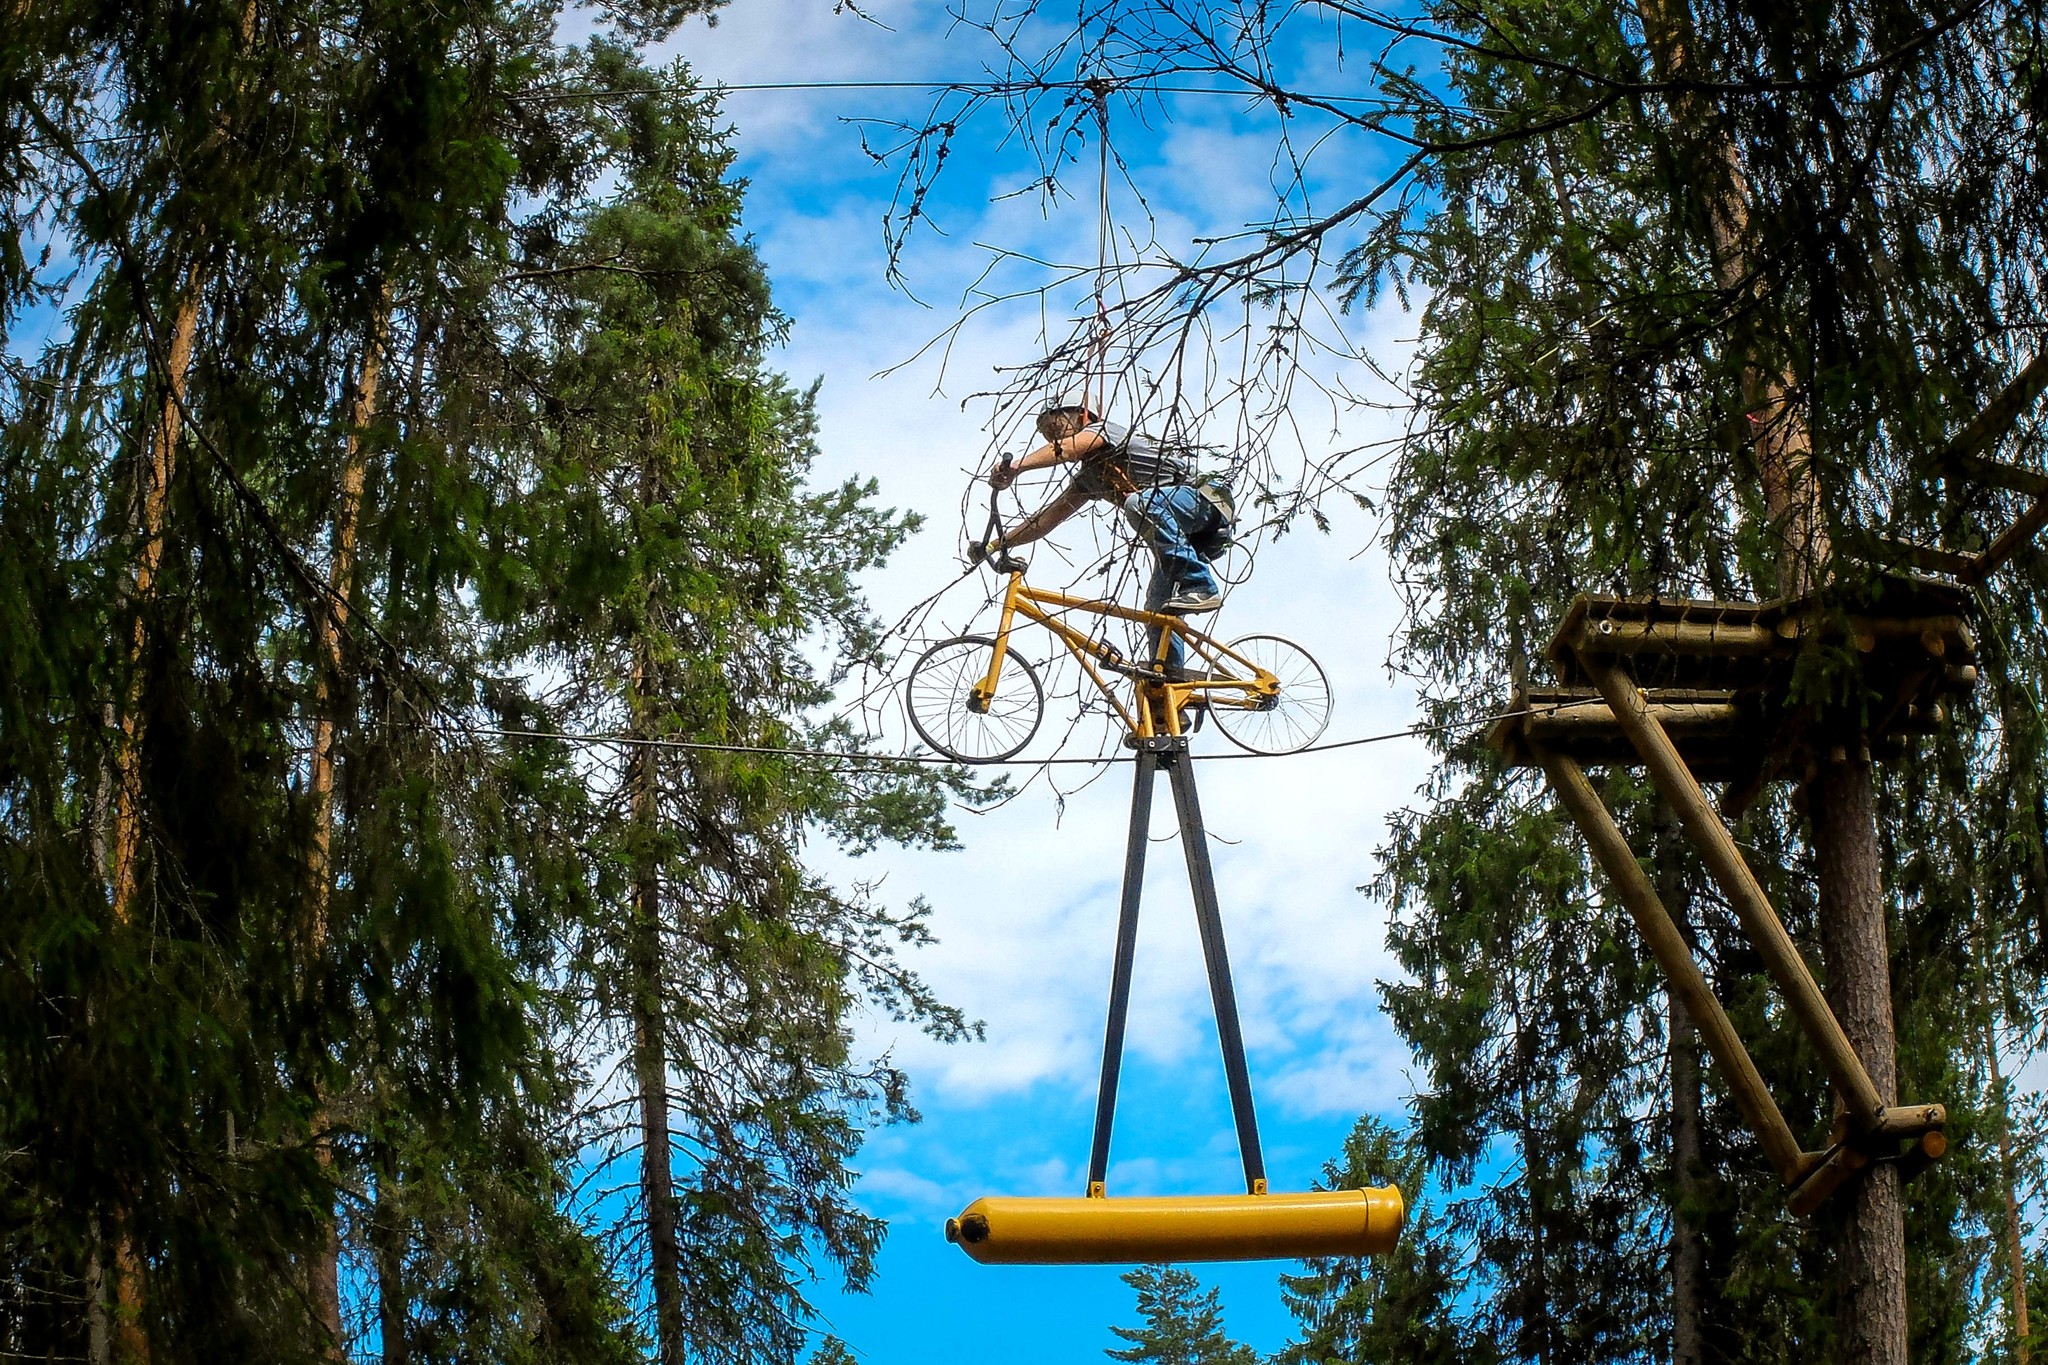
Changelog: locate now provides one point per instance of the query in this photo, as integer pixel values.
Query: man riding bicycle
(1175, 516)
(975, 699)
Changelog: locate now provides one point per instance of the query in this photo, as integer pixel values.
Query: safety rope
(1098, 360)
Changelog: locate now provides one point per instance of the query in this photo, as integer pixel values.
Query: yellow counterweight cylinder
(1009, 1230)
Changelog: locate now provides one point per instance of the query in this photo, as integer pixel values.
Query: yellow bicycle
(975, 699)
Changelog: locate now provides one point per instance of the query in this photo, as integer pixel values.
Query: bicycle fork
(982, 693)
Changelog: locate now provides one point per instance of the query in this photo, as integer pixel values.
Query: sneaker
(1189, 601)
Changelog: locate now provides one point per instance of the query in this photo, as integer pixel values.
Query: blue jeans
(1167, 518)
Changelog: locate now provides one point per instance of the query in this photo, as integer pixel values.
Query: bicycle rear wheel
(942, 705)
(1283, 724)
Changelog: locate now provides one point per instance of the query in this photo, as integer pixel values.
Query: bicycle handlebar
(1002, 561)
(995, 518)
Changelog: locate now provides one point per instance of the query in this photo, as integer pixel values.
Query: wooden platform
(1745, 692)
(1742, 692)
(1733, 683)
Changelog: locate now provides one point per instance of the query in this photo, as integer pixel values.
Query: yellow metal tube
(1009, 1230)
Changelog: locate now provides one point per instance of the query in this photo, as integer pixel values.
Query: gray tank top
(1133, 460)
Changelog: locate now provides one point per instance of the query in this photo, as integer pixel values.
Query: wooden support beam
(1998, 474)
(1737, 796)
(2011, 543)
(1681, 973)
(2000, 413)
(1923, 1153)
(1910, 1120)
(1725, 863)
(1936, 634)
(1842, 1162)
(1570, 722)
(1889, 552)
(1720, 639)
(1961, 456)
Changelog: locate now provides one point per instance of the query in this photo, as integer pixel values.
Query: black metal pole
(1194, 841)
(1147, 768)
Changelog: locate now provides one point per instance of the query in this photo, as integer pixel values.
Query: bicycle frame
(1159, 699)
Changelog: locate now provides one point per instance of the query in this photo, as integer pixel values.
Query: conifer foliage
(1183, 1324)
(1400, 1306)
(1751, 240)
(387, 396)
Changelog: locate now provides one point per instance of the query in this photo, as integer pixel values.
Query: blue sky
(1025, 910)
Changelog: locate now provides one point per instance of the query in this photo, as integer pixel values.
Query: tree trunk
(130, 1339)
(2017, 1300)
(387, 1239)
(1688, 1247)
(130, 1336)
(152, 502)
(332, 620)
(1990, 991)
(1778, 430)
(1841, 797)
(650, 1058)
(1842, 803)
(99, 1343)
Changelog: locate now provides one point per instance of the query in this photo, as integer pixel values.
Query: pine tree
(1603, 324)
(682, 573)
(1402, 1306)
(1183, 1324)
(148, 173)
(233, 986)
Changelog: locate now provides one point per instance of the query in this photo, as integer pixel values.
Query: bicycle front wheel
(949, 715)
(1283, 724)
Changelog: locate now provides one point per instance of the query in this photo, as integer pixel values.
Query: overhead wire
(981, 87)
(985, 87)
(627, 741)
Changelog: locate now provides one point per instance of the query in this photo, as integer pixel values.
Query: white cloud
(901, 1187)
(763, 41)
(1026, 913)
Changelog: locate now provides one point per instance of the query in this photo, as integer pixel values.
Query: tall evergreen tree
(1183, 1325)
(1402, 1306)
(284, 969)
(160, 183)
(1638, 344)
(685, 579)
